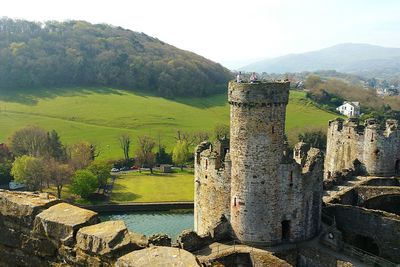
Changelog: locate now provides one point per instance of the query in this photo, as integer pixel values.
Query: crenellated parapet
(375, 147)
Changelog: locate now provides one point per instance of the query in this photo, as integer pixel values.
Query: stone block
(160, 240)
(22, 207)
(157, 257)
(61, 222)
(191, 241)
(104, 239)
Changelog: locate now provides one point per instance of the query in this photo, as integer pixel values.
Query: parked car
(114, 170)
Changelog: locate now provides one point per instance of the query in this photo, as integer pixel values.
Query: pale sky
(233, 32)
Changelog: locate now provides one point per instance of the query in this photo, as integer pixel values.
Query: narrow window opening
(206, 164)
(206, 177)
(285, 230)
(291, 178)
(273, 129)
(234, 202)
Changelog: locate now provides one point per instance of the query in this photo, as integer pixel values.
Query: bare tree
(59, 174)
(125, 142)
(145, 155)
(31, 141)
(81, 155)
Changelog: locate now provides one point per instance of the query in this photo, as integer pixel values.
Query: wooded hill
(75, 53)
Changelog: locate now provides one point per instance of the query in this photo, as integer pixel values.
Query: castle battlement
(377, 148)
(353, 126)
(267, 196)
(262, 93)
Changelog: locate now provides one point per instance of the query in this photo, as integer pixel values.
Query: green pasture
(157, 187)
(100, 115)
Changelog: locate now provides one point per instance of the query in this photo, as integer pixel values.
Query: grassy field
(158, 187)
(100, 115)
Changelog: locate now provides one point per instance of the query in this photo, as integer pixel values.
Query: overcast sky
(232, 32)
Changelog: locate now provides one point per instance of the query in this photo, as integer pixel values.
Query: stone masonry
(268, 197)
(39, 230)
(365, 148)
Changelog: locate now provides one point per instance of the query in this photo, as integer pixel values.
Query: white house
(350, 109)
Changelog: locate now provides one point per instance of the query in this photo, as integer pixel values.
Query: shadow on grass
(32, 95)
(120, 194)
(124, 197)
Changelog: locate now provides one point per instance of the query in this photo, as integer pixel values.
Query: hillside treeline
(75, 53)
(331, 93)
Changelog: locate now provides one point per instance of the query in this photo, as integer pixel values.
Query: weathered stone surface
(62, 221)
(191, 241)
(212, 179)
(22, 207)
(381, 227)
(15, 257)
(140, 241)
(104, 238)
(158, 257)
(363, 148)
(160, 240)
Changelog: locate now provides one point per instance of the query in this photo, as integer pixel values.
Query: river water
(154, 222)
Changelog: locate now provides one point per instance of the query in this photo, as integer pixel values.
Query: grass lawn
(66, 194)
(159, 187)
(100, 115)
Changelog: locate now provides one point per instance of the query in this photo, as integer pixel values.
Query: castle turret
(257, 120)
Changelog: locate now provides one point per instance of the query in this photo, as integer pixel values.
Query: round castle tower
(257, 123)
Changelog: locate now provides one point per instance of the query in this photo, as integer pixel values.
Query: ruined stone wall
(382, 227)
(377, 149)
(40, 230)
(212, 186)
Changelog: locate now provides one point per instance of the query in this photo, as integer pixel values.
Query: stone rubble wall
(212, 188)
(37, 229)
(382, 227)
(376, 149)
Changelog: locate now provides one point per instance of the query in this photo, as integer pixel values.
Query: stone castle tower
(374, 149)
(268, 197)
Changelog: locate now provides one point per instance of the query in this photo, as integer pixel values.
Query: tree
(315, 139)
(84, 182)
(125, 142)
(144, 154)
(5, 172)
(59, 174)
(221, 130)
(162, 157)
(31, 141)
(181, 153)
(55, 148)
(29, 171)
(102, 171)
(81, 155)
(6, 159)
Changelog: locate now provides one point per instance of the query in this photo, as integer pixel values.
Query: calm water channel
(153, 222)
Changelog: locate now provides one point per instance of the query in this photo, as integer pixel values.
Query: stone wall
(376, 150)
(381, 227)
(40, 230)
(212, 186)
(273, 198)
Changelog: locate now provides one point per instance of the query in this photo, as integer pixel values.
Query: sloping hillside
(77, 53)
(101, 115)
(353, 58)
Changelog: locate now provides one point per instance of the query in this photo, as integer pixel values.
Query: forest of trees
(77, 53)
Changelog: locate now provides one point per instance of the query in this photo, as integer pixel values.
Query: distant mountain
(77, 53)
(352, 58)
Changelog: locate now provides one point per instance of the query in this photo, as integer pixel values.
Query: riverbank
(140, 206)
